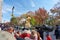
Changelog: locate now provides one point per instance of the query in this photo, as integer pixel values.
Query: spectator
(40, 32)
(48, 37)
(39, 38)
(0, 28)
(17, 34)
(6, 36)
(11, 30)
(25, 33)
(57, 32)
(34, 35)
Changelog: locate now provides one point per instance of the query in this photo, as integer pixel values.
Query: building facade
(1, 11)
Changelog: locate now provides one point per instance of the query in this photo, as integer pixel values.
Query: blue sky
(23, 6)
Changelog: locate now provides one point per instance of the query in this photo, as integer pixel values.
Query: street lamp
(12, 11)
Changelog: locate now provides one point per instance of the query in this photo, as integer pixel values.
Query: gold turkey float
(27, 24)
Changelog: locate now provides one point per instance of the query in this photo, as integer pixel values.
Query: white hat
(27, 31)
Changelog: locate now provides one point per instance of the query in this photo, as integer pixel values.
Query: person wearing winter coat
(25, 33)
(48, 37)
(34, 35)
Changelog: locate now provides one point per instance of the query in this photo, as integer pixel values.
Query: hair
(33, 31)
(47, 34)
(18, 32)
(33, 34)
(38, 36)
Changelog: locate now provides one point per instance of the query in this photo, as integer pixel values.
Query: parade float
(27, 24)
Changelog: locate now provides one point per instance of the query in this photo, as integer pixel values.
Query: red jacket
(49, 38)
(25, 35)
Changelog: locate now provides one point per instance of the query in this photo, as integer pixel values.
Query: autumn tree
(56, 11)
(41, 15)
